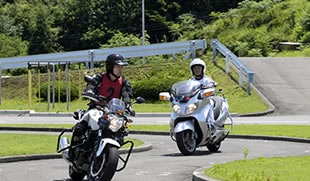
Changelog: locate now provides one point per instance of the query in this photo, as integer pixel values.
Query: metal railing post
(48, 86)
(240, 76)
(248, 86)
(0, 83)
(213, 46)
(233, 59)
(29, 87)
(193, 49)
(53, 85)
(227, 58)
(39, 82)
(91, 56)
(67, 89)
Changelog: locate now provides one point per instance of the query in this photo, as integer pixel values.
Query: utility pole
(143, 36)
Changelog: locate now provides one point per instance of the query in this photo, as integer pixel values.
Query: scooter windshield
(116, 105)
(187, 88)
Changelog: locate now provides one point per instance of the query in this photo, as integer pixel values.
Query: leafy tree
(41, 34)
(12, 46)
(306, 20)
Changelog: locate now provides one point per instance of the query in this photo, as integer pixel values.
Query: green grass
(25, 144)
(263, 169)
(294, 53)
(79, 104)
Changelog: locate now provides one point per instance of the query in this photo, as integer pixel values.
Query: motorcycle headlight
(115, 123)
(176, 108)
(191, 108)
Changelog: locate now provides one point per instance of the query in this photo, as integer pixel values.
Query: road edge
(18, 158)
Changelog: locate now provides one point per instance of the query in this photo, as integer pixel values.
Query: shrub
(306, 38)
(159, 79)
(63, 98)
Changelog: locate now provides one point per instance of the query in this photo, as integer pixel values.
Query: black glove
(89, 93)
(131, 111)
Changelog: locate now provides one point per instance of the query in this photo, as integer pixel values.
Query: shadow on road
(68, 179)
(197, 153)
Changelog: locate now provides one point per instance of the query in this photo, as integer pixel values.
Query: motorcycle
(95, 152)
(189, 124)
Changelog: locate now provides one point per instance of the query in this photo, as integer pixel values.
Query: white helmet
(198, 61)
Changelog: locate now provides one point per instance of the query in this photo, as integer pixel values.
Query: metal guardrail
(97, 55)
(233, 59)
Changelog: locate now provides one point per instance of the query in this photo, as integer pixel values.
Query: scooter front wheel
(186, 142)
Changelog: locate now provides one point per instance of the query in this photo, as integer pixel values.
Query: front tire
(186, 142)
(103, 168)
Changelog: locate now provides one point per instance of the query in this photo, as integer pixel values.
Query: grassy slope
(15, 95)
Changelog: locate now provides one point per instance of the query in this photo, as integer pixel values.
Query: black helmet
(114, 59)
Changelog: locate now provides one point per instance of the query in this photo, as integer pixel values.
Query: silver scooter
(189, 124)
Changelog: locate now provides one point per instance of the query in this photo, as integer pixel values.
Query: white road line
(165, 174)
(141, 173)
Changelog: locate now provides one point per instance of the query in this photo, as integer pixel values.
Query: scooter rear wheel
(186, 142)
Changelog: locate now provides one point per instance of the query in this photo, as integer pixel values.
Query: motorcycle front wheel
(186, 142)
(102, 168)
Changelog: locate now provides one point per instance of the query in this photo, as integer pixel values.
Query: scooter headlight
(191, 108)
(176, 108)
(115, 123)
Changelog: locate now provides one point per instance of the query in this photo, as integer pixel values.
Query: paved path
(163, 163)
(285, 82)
(270, 119)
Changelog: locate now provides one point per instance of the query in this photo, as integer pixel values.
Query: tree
(12, 46)
(41, 33)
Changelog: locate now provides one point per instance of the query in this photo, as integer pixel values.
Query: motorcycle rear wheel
(186, 142)
(103, 168)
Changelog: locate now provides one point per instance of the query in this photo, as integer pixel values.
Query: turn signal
(207, 94)
(164, 98)
(119, 112)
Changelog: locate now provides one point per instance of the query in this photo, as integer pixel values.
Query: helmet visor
(121, 62)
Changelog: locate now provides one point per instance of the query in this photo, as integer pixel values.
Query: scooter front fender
(104, 142)
(184, 125)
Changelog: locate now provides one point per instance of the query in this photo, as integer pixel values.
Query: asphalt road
(163, 163)
(270, 119)
(285, 82)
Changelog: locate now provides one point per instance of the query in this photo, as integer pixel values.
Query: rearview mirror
(140, 100)
(90, 80)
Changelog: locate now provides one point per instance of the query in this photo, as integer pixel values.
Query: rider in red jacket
(110, 85)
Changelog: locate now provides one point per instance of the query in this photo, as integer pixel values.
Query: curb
(9, 159)
(198, 175)
(164, 133)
